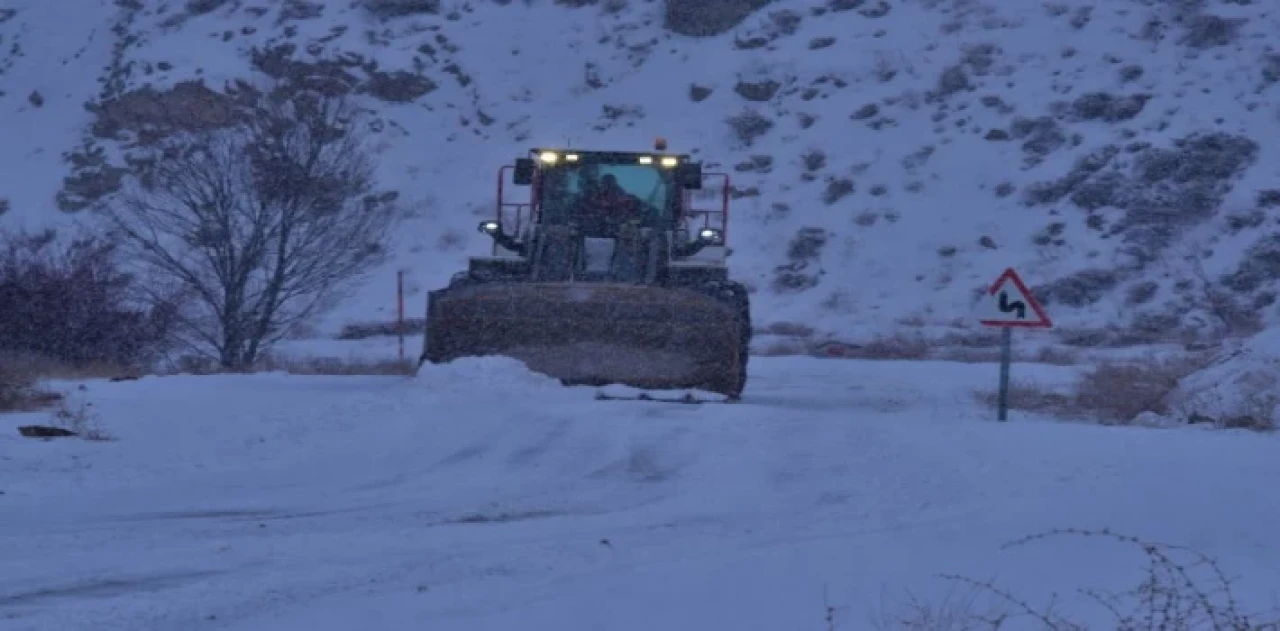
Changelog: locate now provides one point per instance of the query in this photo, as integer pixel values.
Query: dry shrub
(1047, 355)
(980, 338)
(1255, 413)
(338, 366)
(895, 347)
(20, 393)
(790, 339)
(1181, 589)
(781, 348)
(334, 366)
(1056, 356)
(1120, 391)
(1084, 338)
(1110, 392)
(912, 320)
(749, 125)
(365, 330)
(400, 8)
(787, 329)
(968, 355)
(1031, 396)
(1255, 422)
(955, 612)
(69, 301)
(43, 367)
(906, 347)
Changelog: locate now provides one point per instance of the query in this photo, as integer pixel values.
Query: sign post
(1006, 358)
(1009, 305)
(400, 310)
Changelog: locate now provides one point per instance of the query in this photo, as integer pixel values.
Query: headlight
(549, 157)
(669, 162)
(490, 227)
(570, 157)
(646, 160)
(709, 235)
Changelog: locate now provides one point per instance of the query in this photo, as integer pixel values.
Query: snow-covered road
(479, 497)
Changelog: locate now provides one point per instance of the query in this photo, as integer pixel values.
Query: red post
(400, 310)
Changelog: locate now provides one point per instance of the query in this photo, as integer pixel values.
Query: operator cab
(566, 185)
(608, 203)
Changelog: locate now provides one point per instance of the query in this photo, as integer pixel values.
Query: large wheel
(735, 295)
(742, 306)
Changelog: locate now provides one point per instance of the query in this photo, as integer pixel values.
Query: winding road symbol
(1010, 307)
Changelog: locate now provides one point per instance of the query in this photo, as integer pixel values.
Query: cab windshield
(563, 188)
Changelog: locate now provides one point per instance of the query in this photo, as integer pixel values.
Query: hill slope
(890, 158)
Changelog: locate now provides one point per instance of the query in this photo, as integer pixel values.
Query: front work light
(493, 228)
(549, 157)
(705, 238)
(646, 160)
(669, 162)
(570, 157)
(710, 236)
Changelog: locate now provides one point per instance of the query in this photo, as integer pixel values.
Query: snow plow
(607, 273)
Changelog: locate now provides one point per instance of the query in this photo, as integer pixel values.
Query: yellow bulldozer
(605, 274)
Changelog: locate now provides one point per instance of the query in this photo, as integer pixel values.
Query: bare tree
(260, 225)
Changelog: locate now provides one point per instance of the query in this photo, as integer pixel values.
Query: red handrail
(519, 207)
(692, 212)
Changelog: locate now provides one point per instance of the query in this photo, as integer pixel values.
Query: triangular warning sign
(1010, 304)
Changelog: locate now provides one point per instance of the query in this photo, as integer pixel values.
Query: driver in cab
(606, 201)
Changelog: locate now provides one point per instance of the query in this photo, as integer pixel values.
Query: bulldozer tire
(735, 295)
(742, 305)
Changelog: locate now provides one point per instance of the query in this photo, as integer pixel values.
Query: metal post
(400, 310)
(1006, 358)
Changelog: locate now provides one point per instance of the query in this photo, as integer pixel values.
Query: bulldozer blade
(646, 337)
(687, 398)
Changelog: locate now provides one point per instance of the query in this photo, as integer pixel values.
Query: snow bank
(485, 376)
(1241, 388)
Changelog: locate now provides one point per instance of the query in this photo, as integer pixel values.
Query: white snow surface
(906, 245)
(479, 496)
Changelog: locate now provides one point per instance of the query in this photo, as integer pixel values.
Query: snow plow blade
(643, 336)
(688, 398)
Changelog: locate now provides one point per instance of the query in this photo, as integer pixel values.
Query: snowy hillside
(890, 157)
